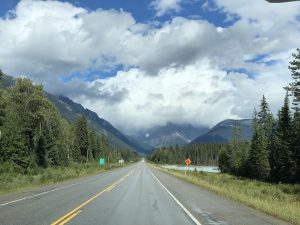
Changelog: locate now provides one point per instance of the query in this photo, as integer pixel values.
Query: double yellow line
(70, 215)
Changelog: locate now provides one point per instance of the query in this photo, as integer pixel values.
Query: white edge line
(46, 192)
(177, 201)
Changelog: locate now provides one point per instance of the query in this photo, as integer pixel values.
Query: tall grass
(279, 200)
(11, 181)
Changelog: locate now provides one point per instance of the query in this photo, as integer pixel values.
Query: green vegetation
(11, 180)
(274, 153)
(200, 154)
(36, 142)
(279, 200)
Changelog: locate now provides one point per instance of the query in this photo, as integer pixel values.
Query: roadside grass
(11, 181)
(279, 200)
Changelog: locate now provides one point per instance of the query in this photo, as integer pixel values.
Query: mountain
(71, 111)
(169, 134)
(7, 81)
(222, 132)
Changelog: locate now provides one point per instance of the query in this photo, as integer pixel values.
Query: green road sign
(101, 162)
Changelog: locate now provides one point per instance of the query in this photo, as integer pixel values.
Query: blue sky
(142, 12)
(154, 61)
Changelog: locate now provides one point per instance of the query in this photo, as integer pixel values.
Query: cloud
(199, 94)
(94, 91)
(163, 7)
(181, 70)
(78, 40)
(56, 38)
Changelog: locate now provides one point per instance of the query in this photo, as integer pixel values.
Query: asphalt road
(138, 194)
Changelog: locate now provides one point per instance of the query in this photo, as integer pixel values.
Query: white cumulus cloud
(199, 94)
(163, 7)
(181, 70)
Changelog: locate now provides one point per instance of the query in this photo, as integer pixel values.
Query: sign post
(101, 161)
(187, 162)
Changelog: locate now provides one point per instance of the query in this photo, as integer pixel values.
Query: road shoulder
(211, 208)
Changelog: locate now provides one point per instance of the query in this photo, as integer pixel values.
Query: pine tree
(238, 150)
(93, 145)
(2, 113)
(41, 151)
(224, 160)
(265, 118)
(65, 142)
(2, 103)
(76, 155)
(296, 144)
(82, 138)
(284, 165)
(258, 163)
(294, 89)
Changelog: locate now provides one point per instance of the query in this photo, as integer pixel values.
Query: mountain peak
(170, 134)
(222, 132)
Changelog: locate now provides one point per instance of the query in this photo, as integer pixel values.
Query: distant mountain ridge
(222, 132)
(71, 111)
(170, 134)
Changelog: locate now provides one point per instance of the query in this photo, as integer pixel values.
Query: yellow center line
(110, 188)
(70, 217)
(71, 213)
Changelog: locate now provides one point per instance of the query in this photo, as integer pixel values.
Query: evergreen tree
(2, 103)
(265, 118)
(296, 144)
(76, 154)
(258, 163)
(224, 160)
(41, 151)
(31, 105)
(93, 145)
(65, 142)
(13, 148)
(294, 89)
(2, 113)
(283, 167)
(82, 138)
(237, 150)
(52, 133)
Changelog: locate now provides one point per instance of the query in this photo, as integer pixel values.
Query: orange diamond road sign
(187, 162)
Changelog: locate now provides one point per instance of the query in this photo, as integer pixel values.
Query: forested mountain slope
(222, 132)
(71, 111)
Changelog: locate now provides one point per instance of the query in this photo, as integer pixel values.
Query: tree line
(200, 154)
(33, 134)
(274, 151)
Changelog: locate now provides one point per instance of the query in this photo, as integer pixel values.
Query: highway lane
(139, 194)
(139, 200)
(46, 208)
